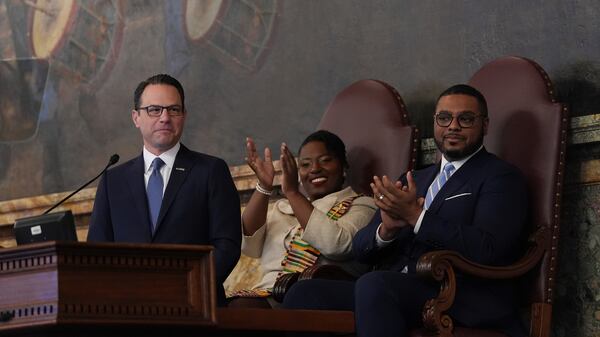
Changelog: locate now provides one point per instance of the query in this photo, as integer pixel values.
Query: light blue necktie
(155, 191)
(438, 183)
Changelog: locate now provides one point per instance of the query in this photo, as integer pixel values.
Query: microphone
(113, 160)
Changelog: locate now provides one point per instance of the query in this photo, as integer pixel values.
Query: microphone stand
(113, 160)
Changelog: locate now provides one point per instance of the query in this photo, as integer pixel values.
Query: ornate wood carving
(442, 266)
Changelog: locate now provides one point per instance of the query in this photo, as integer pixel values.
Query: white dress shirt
(165, 171)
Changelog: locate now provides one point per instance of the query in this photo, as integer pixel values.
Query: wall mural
(56, 57)
(260, 68)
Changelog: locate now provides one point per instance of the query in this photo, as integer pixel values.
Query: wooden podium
(80, 288)
(116, 289)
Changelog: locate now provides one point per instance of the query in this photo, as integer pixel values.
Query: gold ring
(380, 196)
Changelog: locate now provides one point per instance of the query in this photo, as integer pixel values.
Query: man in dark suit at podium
(169, 194)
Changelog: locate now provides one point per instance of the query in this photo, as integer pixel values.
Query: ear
(485, 125)
(135, 115)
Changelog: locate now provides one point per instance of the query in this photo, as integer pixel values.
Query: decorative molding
(27, 263)
(584, 129)
(125, 311)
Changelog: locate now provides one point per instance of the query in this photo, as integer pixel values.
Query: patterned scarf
(300, 254)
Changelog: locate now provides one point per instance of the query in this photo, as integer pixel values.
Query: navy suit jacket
(481, 213)
(200, 206)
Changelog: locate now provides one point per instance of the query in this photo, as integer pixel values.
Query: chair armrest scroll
(442, 265)
(432, 264)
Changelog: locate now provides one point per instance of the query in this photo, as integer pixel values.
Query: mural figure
(237, 32)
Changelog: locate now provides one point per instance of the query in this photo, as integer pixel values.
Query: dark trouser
(386, 303)
(390, 303)
(319, 295)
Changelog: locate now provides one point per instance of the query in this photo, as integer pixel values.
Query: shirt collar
(168, 157)
(458, 163)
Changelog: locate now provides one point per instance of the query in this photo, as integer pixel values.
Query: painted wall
(261, 68)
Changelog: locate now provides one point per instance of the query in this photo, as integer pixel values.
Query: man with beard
(470, 202)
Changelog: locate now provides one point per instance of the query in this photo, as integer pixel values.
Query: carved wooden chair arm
(442, 265)
(429, 264)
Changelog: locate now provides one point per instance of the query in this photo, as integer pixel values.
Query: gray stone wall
(577, 296)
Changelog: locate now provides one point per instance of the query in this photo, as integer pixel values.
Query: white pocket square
(458, 196)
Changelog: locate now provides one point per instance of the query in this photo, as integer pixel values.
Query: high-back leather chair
(528, 129)
(371, 118)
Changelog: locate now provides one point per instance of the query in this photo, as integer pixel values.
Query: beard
(458, 154)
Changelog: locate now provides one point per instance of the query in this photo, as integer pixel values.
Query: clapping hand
(398, 203)
(289, 169)
(263, 168)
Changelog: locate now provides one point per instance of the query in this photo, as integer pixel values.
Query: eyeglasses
(156, 110)
(465, 120)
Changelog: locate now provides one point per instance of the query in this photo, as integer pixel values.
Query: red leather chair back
(528, 129)
(371, 118)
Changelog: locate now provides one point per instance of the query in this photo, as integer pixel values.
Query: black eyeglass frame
(435, 117)
(169, 108)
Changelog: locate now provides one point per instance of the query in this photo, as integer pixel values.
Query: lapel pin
(180, 169)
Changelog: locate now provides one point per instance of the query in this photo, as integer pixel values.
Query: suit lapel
(138, 190)
(181, 168)
(458, 179)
